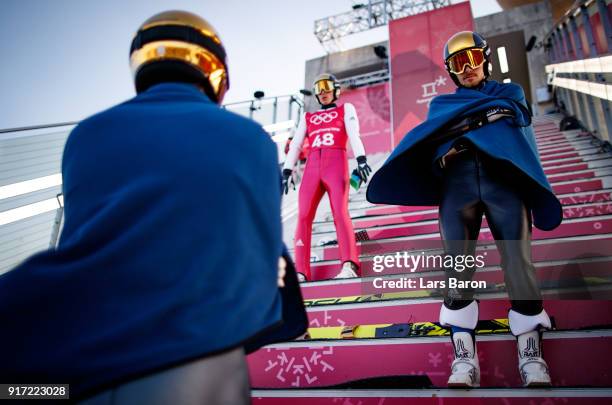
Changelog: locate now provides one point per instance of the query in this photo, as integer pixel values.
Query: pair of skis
(400, 330)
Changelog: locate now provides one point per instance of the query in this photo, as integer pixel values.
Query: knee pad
(527, 307)
(520, 323)
(466, 317)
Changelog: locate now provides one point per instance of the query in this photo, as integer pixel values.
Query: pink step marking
(329, 365)
(568, 314)
(569, 168)
(599, 196)
(394, 209)
(571, 176)
(377, 247)
(410, 218)
(560, 156)
(433, 400)
(555, 151)
(578, 186)
(565, 162)
(591, 185)
(563, 250)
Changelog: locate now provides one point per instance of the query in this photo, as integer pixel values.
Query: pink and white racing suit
(326, 171)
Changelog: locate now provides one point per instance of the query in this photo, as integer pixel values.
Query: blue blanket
(408, 177)
(169, 250)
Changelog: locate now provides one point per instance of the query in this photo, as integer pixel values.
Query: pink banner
(417, 65)
(373, 111)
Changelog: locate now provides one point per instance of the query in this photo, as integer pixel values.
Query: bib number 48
(325, 139)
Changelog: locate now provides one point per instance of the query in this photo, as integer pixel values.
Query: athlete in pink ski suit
(328, 131)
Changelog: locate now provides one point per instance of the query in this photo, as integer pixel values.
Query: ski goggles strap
(473, 57)
(324, 86)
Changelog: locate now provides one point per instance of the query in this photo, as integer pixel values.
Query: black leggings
(473, 185)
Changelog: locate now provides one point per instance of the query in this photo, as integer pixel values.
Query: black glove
(286, 179)
(363, 168)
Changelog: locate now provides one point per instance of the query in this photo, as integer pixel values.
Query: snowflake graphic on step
(314, 323)
(435, 358)
(300, 370)
(586, 199)
(587, 211)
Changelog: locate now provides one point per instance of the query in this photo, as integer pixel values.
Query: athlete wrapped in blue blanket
(476, 154)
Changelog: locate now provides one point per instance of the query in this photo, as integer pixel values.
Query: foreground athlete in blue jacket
(476, 154)
(167, 268)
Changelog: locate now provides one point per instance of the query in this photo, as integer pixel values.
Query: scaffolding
(366, 79)
(365, 16)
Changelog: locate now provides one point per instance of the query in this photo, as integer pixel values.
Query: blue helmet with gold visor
(466, 48)
(326, 82)
(179, 46)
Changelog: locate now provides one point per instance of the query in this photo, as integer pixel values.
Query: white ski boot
(348, 271)
(532, 367)
(465, 370)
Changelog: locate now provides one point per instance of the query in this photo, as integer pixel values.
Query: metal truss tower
(365, 16)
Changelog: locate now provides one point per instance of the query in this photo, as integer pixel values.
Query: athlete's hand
(282, 270)
(286, 179)
(448, 154)
(363, 168)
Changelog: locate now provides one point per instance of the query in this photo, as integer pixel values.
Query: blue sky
(66, 59)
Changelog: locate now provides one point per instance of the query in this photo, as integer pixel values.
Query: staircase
(384, 348)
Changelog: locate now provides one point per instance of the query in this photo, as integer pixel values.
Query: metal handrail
(61, 124)
(262, 99)
(247, 103)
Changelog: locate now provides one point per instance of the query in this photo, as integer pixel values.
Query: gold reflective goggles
(324, 86)
(473, 58)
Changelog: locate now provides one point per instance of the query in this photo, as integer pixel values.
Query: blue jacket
(408, 177)
(169, 250)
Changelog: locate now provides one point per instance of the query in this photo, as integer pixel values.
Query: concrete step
(298, 364)
(576, 159)
(565, 146)
(358, 206)
(367, 209)
(559, 138)
(445, 396)
(543, 134)
(568, 314)
(593, 164)
(554, 262)
(573, 139)
(569, 211)
(577, 142)
(594, 150)
(405, 237)
(579, 280)
(589, 169)
(542, 250)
